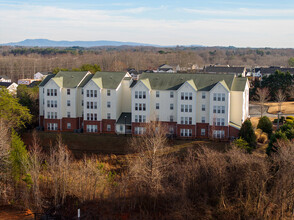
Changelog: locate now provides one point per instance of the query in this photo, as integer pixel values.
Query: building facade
(190, 105)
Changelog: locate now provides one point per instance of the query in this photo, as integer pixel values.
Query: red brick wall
(46, 121)
(180, 126)
(41, 121)
(74, 124)
(225, 128)
(111, 122)
(98, 123)
(200, 126)
(234, 132)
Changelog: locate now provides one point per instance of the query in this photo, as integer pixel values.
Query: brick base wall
(234, 132)
(74, 124)
(180, 126)
(224, 128)
(41, 121)
(110, 122)
(200, 126)
(46, 121)
(98, 123)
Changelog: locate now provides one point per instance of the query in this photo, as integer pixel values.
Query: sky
(250, 23)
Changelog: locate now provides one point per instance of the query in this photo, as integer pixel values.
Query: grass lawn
(287, 107)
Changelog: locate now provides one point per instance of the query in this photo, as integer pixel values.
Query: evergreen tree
(247, 133)
(265, 125)
(18, 156)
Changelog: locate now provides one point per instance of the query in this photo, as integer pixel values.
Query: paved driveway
(254, 111)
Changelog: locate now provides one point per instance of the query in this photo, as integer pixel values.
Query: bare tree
(290, 92)
(147, 167)
(280, 98)
(262, 96)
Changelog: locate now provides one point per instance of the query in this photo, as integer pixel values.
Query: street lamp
(278, 120)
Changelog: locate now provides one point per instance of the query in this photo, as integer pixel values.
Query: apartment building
(191, 105)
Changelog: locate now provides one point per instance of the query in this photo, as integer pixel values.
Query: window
(171, 118)
(157, 105)
(203, 95)
(171, 130)
(92, 128)
(108, 116)
(121, 128)
(219, 133)
(144, 107)
(144, 95)
(136, 106)
(186, 95)
(108, 104)
(68, 102)
(171, 106)
(214, 109)
(48, 103)
(186, 120)
(157, 94)
(68, 91)
(203, 108)
(214, 96)
(190, 108)
(223, 109)
(55, 92)
(186, 132)
(182, 95)
(171, 94)
(91, 93)
(68, 114)
(140, 130)
(190, 95)
(223, 96)
(82, 91)
(55, 115)
(182, 108)
(55, 103)
(140, 94)
(68, 125)
(222, 121)
(136, 94)
(136, 118)
(82, 102)
(108, 127)
(202, 132)
(95, 93)
(218, 109)
(218, 97)
(108, 92)
(203, 120)
(88, 93)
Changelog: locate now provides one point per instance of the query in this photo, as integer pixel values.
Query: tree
(280, 98)
(18, 156)
(11, 112)
(92, 68)
(147, 169)
(29, 97)
(247, 133)
(262, 95)
(291, 62)
(265, 125)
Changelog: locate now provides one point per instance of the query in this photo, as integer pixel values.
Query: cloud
(84, 24)
(244, 12)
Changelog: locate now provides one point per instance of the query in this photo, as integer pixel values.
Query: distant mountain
(51, 43)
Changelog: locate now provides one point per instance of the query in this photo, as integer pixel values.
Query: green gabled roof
(224, 84)
(58, 81)
(203, 82)
(110, 80)
(239, 84)
(146, 83)
(191, 82)
(71, 79)
(98, 82)
(47, 78)
(86, 80)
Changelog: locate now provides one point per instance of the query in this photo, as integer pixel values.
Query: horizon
(250, 24)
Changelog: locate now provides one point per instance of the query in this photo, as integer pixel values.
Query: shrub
(263, 138)
(290, 117)
(265, 125)
(247, 133)
(242, 144)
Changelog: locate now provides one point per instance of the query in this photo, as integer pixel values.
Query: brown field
(254, 120)
(117, 145)
(287, 108)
